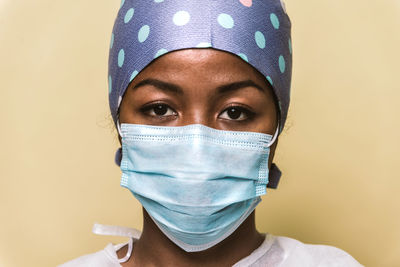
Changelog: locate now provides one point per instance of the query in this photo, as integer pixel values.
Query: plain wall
(339, 153)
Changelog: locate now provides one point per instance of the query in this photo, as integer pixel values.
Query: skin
(184, 87)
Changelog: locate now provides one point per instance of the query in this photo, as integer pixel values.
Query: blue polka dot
(243, 56)
(143, 33)
(290, 46)
(260, 39)
(181, 18)
(158, 1)
(274, 20)
(203, 45)
(122, 2)
(270, 80)
(109, 84)
(129, 15)
(121, 57)
(160, 52)
(282, 64)
(225, 21)
(112, 40)
(133, 75)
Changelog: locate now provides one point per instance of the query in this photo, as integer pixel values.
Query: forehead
(208, 64)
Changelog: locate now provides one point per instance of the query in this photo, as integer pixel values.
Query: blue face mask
(198, 184)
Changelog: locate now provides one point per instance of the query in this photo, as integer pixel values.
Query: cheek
(130, 105)
(266, 121)
(126, 108)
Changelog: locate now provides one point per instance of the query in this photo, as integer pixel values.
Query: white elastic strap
(274, 137)
(119, 128)
(114, 230)
(128, 253)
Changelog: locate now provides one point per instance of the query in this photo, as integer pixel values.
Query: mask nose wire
(268, 145)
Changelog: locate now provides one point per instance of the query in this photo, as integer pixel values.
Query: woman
(199, 92)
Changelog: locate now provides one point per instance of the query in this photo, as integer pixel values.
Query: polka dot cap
(258, 32)
(146, 30)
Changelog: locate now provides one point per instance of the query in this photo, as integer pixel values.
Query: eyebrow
(238, 85)
(164, 86)
(175, 89)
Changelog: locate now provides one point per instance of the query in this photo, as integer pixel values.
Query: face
(202, 86)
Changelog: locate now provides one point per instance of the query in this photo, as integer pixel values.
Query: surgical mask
(197, 183)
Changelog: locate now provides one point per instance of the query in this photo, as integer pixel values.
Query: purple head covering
(257, 31)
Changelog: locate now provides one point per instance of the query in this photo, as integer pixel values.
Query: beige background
(339, 152)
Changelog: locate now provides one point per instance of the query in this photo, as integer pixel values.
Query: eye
(158, 110)
(236, 113)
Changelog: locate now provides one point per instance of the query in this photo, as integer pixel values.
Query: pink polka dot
(247, 3)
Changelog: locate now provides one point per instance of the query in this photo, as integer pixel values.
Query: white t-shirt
(274, 251)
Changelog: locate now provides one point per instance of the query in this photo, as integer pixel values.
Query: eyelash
(149, 107)
(249, 114)
(243, 110)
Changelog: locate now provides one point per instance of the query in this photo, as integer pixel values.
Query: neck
(154, 248)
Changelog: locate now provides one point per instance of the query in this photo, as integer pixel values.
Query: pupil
(234, 113)
(160, 110)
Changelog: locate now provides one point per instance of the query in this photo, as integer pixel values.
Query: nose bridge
(197, 114)
(198, 107)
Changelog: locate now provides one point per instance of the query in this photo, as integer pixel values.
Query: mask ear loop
(128, 253)
(119, 128)
(274, 137)
(118, 153)
(274, 172)
(112, 230)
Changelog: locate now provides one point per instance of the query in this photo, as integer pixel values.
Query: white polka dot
(260, 39)
(290, 46)
(158, 1)
(122, 3)
(225, 21)
(143, 33)
(129, 15)
(181, 18)
(121, 57)
(160, 52)
(133, 75)
(203, 45)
